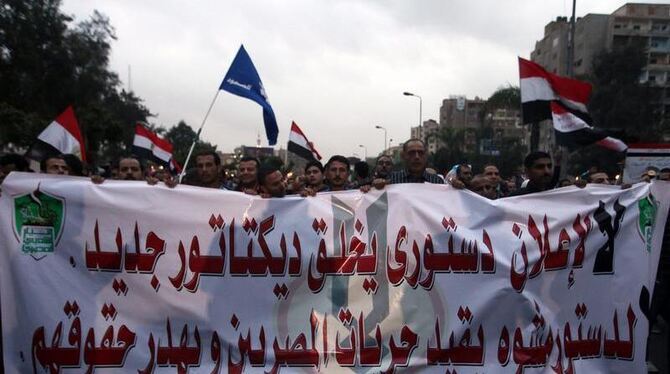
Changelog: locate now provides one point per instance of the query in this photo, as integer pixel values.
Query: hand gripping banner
(125, 277)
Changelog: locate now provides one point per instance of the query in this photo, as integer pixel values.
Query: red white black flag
(149, 146)
(539, 88)
(573, 131)
(546, 96)
(62, 136)
(298, 144)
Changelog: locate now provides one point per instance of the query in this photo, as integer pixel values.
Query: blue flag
(242, 80)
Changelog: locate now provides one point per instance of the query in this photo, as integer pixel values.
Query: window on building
(659, 27)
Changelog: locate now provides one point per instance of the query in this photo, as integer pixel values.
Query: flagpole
(197, 136)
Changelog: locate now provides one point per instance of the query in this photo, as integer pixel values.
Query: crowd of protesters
(338, 174)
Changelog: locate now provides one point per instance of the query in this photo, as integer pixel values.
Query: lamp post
(365, 149)
(385, 142)
(420, 110)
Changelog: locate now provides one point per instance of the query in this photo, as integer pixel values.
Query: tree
(620, 104)
(506, 97)
(619, 101)
(511, 149)
(47, 64)
(181, 137)
(450, 153)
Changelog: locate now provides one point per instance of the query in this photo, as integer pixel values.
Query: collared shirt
(404, 177)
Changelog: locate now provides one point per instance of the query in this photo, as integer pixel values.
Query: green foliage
(619, 101)
(451, 153)
(46, 64)
(620, 104)
(272, 161)
(511, 149)
(181, 136)
(505, 97)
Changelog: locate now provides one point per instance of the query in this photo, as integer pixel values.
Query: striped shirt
(404, 177)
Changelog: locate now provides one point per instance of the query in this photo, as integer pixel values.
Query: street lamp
(385, 143)
(365, 149)
(420, 110)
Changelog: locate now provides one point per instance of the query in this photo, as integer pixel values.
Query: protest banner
(126, 277)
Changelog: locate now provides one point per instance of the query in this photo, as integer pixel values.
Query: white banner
(126, 277)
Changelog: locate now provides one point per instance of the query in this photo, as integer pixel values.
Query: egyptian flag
(539, 88)
(573, 130)
(62, 136)
(298, 144)
(147, 145)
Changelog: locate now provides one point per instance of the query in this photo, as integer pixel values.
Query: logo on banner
(647, 207)
(38, 222)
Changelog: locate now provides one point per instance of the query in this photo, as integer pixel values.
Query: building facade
(461, 114)
(631, 24)
(429, 133)
(590, 40)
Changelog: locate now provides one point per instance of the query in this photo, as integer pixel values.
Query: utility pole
(565, 153)
(571, 43)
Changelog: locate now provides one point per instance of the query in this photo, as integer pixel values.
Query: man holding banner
(384, 281)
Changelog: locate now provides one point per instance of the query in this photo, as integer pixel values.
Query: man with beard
(271, 182)
(383, 167)
(130, 169)
(337, 173)
(540, 172)
(247, 171)
(208, 170)
(55, 165)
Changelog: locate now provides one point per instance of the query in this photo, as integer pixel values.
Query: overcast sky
(336, 68)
